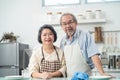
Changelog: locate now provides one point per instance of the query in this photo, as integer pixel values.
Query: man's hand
(105, 74)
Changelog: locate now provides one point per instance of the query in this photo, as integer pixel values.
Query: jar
(49, 16)
(59, 15)
(89, 14)
(98, 14)
(80, 17)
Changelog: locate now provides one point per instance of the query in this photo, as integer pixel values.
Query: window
(94, 1)
(59, 2)
(91, 1)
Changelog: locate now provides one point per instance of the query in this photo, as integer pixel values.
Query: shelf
(53, 23)
(91, 21)
(113, 31)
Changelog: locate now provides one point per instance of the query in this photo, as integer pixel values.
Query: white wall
(24, 17)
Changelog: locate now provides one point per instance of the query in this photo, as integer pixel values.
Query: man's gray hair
(74, 18)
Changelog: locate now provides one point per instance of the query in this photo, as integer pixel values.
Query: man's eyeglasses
(69, 23)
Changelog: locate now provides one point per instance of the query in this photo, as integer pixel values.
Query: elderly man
(81, 53)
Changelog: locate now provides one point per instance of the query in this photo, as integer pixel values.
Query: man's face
(68, 25)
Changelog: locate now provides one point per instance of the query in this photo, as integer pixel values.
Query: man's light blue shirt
(86, 42)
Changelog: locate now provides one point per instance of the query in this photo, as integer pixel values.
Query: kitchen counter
(113, 72)
(108, 70)
(3, 78)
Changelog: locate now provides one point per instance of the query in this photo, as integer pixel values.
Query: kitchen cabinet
(12, 59)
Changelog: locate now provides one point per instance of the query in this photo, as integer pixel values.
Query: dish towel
(80, 76)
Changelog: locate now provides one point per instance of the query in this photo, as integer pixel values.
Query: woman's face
(47, 37)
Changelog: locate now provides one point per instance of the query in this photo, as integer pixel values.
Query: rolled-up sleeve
(62, 60)
(63, 68)
(91, 46)
(34, 63)
(88, 47)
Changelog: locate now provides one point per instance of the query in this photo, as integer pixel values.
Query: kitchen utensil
(112, 62)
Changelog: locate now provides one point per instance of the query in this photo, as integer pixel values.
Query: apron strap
(42, 54)
(55, 51)
(57, 54)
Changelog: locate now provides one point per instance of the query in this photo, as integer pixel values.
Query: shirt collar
(75, 35)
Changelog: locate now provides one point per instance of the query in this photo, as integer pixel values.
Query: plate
(100, 77)
(14, 77)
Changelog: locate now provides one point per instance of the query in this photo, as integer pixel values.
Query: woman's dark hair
(46, 26)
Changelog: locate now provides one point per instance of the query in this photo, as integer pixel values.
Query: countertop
(113, 72)
(3, 78)
(108, 70)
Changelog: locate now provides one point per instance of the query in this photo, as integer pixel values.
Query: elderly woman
(47, 61)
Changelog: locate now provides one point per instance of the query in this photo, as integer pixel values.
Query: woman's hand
(46, 75)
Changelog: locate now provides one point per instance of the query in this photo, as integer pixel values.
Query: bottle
(112, 62)
(117, 62)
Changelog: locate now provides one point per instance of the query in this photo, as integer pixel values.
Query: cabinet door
(8, 71)
(8, 54)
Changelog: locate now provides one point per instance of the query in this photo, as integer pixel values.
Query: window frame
(102, 1)
(44, 5)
